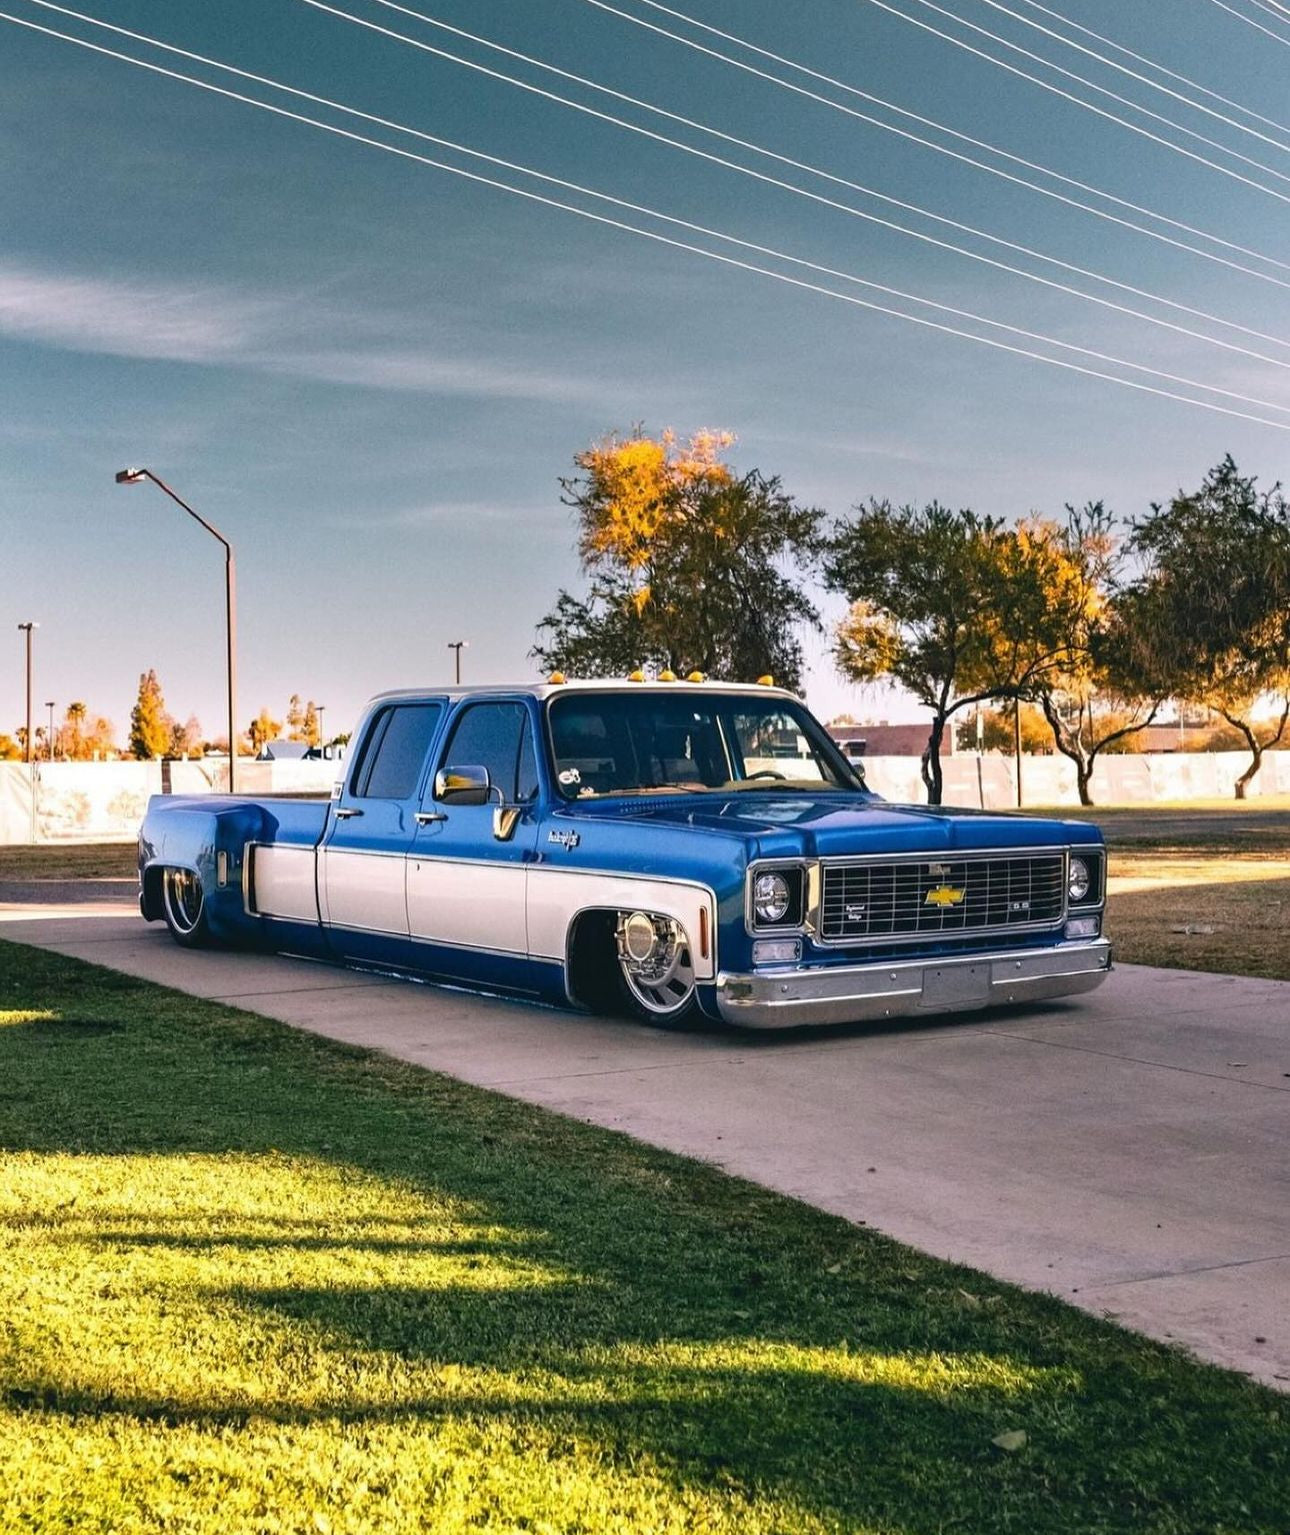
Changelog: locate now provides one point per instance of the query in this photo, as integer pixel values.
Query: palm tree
(75, 721)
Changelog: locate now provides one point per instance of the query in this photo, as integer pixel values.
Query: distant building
(883, 740)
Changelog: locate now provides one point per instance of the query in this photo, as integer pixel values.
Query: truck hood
(824, 825)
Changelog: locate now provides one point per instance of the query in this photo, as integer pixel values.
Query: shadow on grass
(438, 1254)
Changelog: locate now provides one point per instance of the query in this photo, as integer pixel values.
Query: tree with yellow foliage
(692, 566)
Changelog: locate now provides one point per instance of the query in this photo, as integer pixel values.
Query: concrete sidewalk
(1128, 1151)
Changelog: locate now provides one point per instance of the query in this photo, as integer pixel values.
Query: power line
(671, 241)
(771, 180)
(1273, 9)
(1075, 26)
(1250, 22)
(828, 202)
(1089, 106)
(953, 154)
(1133, 74)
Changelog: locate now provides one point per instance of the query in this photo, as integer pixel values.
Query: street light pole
(458, 646)
(28, 627)
(322, 739)
(135, 477)
(49, 704)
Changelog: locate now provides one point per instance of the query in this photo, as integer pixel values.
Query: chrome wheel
(656, 965)
(184, 902)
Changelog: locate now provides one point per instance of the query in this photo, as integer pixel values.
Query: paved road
(1129, 1150)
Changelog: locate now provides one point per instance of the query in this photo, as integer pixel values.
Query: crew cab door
(361, 878)
(466, 884)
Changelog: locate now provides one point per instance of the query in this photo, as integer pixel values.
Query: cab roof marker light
(637, 676)
(557, 678)
(694, 677)
(766, 680)
(667, 675)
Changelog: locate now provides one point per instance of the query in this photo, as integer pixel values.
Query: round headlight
(771, 898)
(1079, 881)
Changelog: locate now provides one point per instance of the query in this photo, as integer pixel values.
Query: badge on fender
(568, 840)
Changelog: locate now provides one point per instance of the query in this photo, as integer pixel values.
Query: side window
(396, 748)
(497, 736)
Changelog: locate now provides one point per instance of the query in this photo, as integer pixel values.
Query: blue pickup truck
(673, 849)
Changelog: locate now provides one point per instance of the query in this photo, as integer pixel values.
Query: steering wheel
(766, 773)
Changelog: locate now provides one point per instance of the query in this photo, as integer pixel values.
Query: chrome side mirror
(465, 785)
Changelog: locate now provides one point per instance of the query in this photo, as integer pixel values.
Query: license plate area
(956, 986)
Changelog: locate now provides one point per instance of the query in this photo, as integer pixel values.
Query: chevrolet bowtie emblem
(944, 895)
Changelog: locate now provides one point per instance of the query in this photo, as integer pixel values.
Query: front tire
(183, 903)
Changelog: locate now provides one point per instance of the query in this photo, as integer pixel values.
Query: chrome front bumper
(777, 999)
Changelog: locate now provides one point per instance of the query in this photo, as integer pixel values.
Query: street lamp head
(131, 476)
(29, 627)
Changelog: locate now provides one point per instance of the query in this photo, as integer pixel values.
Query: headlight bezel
(1090, 861)
(792, 874)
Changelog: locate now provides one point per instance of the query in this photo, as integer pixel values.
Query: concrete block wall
(53, 802)
(990, 783)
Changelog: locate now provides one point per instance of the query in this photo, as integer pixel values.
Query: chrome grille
(909, 898)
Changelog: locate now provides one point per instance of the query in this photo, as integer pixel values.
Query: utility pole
(30, 744)
(322, 739)
(458, 646)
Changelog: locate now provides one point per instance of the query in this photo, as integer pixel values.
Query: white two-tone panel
(282, 882)
(467, 904)
(364, 890)
(556, 896)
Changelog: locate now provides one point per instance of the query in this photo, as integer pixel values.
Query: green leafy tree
(311, 728)
(295, 719)
(1215, 595)
(149, 722)
(690, 566)
(955, 606)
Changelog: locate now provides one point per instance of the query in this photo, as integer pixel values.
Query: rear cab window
(394, 751)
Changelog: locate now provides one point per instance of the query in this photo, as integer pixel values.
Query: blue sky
(370, 374)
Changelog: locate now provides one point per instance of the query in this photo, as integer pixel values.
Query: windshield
(653, 742)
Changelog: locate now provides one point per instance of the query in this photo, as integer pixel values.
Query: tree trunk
(1083, 772)
(933, 779)
(1256, 753)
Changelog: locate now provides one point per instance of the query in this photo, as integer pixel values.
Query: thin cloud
(87, 314)
(449, 515)
(264, 333)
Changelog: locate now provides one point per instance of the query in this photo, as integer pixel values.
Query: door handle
(345, 813)
(429, 817)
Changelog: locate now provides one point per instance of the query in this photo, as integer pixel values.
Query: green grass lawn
(251, 1280)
